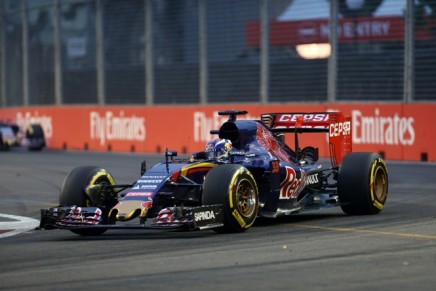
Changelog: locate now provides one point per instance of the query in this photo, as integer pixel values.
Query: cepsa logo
(306, 117)
(385, 130)
(204, 124)
(112, 127)
(340, 128)
(309, 120)
(25, 119)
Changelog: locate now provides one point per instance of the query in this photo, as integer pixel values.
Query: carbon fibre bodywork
(267, 179)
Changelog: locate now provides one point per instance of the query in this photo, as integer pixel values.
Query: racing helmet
(222, 147)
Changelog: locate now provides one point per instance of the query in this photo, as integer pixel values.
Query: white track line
(18, 225)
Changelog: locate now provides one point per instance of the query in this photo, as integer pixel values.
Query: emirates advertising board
(399, 131)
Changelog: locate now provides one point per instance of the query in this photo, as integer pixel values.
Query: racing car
(247, 171)
(11, 135)
(7, 136)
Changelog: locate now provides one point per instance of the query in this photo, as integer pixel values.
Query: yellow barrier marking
(379, 232)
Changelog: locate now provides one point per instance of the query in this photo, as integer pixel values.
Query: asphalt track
(321, 250)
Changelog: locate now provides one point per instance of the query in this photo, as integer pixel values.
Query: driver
(222, 148)
(216, 148)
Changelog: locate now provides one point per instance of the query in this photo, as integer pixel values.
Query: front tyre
(235, 188)
(363, 183)
(73, 191)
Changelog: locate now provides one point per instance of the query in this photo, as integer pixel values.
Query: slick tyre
(73, 191)
(1, 142)
(234, 187)
(4, 146)
(363, 183)
(35, 135)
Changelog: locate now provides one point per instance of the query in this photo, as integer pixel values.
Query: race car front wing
(170, 218)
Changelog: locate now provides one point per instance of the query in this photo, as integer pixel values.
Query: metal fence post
(409, 53)
(57, 46)
(149, 63)
(264, 51)
(202, 23)
(25, 52)
(332, 70)
(101, 92)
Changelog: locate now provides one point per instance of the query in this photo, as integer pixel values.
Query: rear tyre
(35, 137)
(1, 142)
(234, 187)
(73, 191)
(4, 146)
(363, 183)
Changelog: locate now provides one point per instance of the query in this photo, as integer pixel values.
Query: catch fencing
(158, 52)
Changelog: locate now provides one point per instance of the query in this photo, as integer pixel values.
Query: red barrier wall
(401, 131)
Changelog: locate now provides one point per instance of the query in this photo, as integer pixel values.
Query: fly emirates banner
(399, 131)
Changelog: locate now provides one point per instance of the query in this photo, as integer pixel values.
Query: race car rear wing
(335, 124)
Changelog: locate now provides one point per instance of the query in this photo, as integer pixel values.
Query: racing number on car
(275, 166)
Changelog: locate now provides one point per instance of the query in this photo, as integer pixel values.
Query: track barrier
(396, 130)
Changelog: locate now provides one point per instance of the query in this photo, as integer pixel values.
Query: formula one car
(12, 136)
(7, 136)
(248, 171)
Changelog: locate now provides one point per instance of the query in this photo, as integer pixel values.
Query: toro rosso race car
(246, 172)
